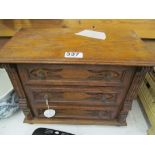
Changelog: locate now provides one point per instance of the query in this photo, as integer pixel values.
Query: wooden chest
(95, 89)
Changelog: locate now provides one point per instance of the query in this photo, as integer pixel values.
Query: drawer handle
(49, 112)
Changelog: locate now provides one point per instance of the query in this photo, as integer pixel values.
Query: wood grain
(143, 27)
(49, 45)
(92, 75)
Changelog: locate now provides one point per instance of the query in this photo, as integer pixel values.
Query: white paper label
(92, 34)
(49, 113)
(73, 55)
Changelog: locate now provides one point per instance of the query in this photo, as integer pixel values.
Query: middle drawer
(74, 95)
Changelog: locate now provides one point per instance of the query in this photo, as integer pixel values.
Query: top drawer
(98, 75)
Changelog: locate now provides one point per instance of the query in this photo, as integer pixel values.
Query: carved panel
(47, 73)
(74, 74)
(82, 114)
(76, 96)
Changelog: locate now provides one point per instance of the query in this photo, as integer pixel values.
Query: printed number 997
(73, 55)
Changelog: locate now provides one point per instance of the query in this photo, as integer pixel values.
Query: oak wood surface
(99, 91)
(79, 96)
(145, 28)
(150, 44)
(6, 31)
(3, 41)
(49, 45)
(74, 121)
(108, 113)
(92, 75)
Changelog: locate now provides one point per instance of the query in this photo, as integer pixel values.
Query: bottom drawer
(106, 114)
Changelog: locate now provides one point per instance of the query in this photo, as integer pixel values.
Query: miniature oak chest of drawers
(95, 88)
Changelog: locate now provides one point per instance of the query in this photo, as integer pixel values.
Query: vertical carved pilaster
(132, 92)
(12, 72)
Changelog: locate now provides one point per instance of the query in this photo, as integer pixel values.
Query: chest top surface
(121, 47)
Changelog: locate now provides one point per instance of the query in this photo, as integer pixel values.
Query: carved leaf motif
(102, 97)
(105, 74)
(45, 73)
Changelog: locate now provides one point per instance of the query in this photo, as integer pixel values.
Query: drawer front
(95, 75)
(67, 95)
(106, 114)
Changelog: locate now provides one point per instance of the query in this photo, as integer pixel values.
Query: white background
(77, 9)
(77, 145)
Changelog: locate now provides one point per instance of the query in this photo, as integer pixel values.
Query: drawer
(69, 95)
(93, 75)
(107, 114)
